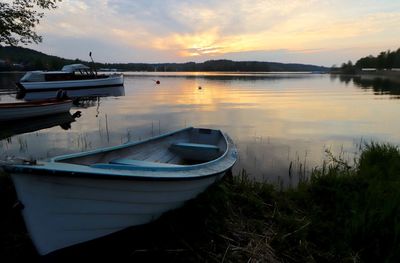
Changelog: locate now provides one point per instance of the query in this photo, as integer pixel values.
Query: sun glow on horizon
(175, 30)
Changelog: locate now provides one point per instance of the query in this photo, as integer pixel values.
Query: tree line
(385, 60)
(19, 58)
(217, 65)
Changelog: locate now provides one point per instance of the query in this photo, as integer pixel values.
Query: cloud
(187, 30)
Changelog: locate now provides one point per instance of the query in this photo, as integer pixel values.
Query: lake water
(276, 120)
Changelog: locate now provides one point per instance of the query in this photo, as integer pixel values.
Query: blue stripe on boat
(195, 146)
(141, 168)
(139, 163)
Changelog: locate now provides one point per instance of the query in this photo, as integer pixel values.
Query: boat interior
(187, 147)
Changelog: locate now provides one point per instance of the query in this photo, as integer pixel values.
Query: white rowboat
(79, 197)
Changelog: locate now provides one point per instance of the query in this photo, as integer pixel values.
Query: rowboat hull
(79, 197)
(15, 111)
(61, 211)
(112, 80)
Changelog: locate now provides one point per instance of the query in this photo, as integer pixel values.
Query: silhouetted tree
(348, 68)
(38, 64)
(385, 60)
(396, 63)
(19, 18)
(366, 62)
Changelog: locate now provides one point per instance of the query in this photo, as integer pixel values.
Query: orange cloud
(297, 33)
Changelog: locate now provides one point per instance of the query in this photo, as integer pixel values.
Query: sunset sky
(323, 32)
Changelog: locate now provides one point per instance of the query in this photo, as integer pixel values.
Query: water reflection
(277, 122)
(380, 85)
(223, 76)
(11, 128)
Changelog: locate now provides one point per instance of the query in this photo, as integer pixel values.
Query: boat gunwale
(87, 175)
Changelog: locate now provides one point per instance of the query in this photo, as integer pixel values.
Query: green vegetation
(342, 213)
(18, 18)
(385, 60)
(220, 65)
(29, 59)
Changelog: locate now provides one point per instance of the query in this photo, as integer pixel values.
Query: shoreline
(340, 213)
(374, 74)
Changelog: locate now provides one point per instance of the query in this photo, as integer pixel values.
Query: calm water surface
(275, 119)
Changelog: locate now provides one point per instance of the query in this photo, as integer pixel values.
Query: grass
(341, 213)
(356, 210)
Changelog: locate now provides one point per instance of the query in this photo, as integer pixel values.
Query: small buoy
(157, 82)
(199, 87)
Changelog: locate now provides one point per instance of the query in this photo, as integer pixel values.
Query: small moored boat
(79, 197)
(22, 110)
(75, 76)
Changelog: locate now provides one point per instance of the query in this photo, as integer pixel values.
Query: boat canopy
(33, 76)
(74, 67)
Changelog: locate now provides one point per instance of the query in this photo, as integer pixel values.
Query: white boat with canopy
(74, 76)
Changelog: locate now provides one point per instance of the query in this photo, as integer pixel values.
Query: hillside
(27, 59)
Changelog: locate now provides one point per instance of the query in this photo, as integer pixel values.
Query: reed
(354, 210)
(343, 212)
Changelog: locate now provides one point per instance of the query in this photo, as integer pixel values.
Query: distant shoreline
(203, 72)
(373, 74)
(19, 58)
